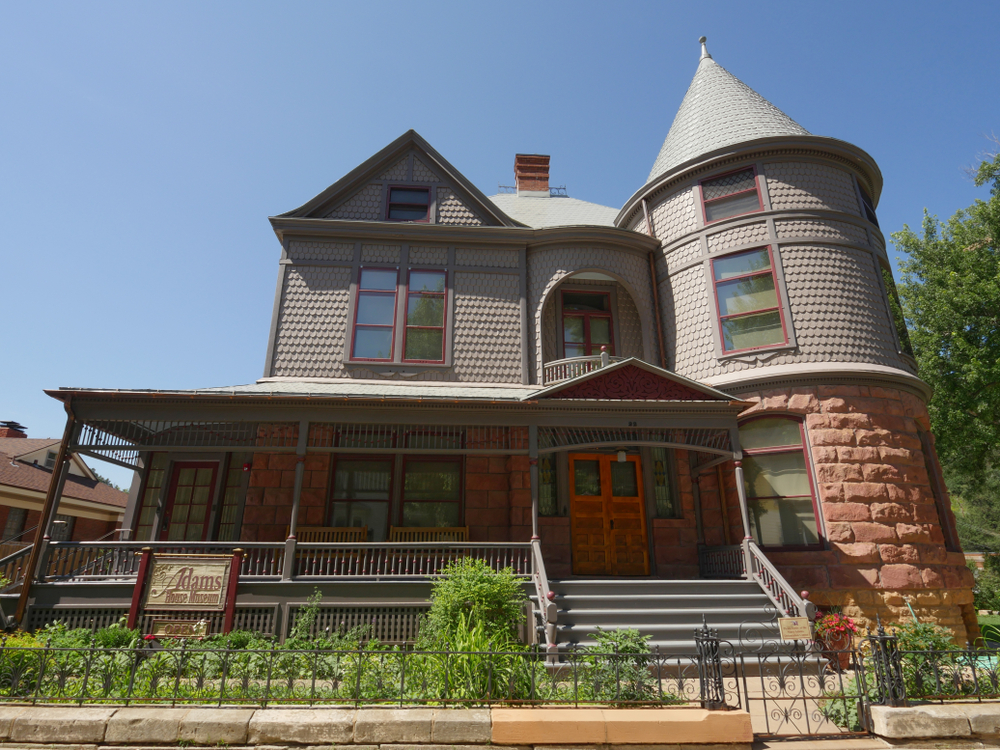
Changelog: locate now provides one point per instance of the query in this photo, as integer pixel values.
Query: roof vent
(11, 429)
(531, 173)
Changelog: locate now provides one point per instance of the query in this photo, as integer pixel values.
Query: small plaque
(188, 582)
(795, 628)
(179, 629)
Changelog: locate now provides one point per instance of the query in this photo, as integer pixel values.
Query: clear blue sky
(144, 145)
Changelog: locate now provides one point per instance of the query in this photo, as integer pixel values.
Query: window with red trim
(587, 323)
(362, 489)
(730, 195)
(425, 316)
(409, 204)
(747, 299)
(780, 493)
(375, 314)
(432, 491)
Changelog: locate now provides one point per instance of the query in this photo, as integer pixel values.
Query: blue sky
(144, 145)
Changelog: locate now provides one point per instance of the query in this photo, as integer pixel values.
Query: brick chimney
(12, 430)
(531, 174)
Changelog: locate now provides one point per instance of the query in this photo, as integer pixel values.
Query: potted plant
(835, 634)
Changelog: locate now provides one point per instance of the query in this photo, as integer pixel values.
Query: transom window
(409, 204)
(425, 316)
(780, 494)
(587, 324)
(730, 195)
(375, 316)
(747, 300)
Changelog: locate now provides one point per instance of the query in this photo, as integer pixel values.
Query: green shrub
(619, 669)
(840, 707)
(116, 636)
(469, 594)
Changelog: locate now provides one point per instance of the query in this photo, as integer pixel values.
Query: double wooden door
(607, 515)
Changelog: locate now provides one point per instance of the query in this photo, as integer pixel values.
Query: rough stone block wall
(675, 540)
(554, 531)
(268, 509)
(487, 498)
(886, 545)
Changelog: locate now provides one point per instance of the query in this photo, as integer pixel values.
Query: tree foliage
(950, 294)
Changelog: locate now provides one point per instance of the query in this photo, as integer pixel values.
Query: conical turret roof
(719, 110)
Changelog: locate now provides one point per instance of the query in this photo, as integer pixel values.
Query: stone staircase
(667, 610)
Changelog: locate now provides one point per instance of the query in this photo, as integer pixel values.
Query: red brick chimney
(12, 430)
(531, 173)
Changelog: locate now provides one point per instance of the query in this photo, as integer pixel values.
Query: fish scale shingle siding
(364, 205)
(675, 215)
(398, 171)
(423, 173)
(487, 327)
(452, 212)
(486, 258)
(343, 251)
(742, 235)
(804, 185)
(312, 324)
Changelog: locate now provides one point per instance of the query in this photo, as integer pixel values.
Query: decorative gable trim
(632, 380)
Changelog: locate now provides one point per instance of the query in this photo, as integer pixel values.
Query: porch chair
(426, 534)
(328, 534)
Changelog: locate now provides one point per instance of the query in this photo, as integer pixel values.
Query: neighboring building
(533, 365)
(88, 509)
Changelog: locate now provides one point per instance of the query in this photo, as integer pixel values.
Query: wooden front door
(607, 515)
(189, 502)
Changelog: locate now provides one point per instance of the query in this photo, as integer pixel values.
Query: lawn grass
(989, 620)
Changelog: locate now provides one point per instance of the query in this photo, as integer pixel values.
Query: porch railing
(564, 369)
(547, 609)
(12, 566)
(722, 562)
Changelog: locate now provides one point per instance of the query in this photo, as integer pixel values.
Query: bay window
(730, 194)
(780, 495)
(746, 297)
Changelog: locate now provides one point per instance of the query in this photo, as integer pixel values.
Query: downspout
(655, 287)
(51, 501)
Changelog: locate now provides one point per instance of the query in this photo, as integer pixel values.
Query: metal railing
(571, 367)
(778, 590)
(722, 562)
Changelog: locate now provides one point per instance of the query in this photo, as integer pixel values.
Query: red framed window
(746, 297)
(361, 493)
(731, 194)
(781, 496)
(587, 323)
(375, 315)
(425, 316)
(409, 204)
(432, 491)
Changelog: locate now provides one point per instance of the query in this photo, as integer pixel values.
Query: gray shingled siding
(451, 211)
(805, 185)
(398, 171)
(364, 205)
(548, 266)
(744, 234)
(486, 258)
(675, 214)
(312, 322)
(487, 327)
(342, 251)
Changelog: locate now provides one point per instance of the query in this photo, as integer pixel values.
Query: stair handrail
(546, 605)
(8, 565)
(781, 593)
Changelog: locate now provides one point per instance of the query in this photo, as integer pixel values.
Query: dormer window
(409, 204)
(587, 325)
(50, 459)
(730, 195)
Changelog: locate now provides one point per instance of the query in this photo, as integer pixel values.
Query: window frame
(443, 294)
(424, 458)
(703, 202)
(395, 313)
(389, 203)
(786, 339)
(807, 462)
(610, 315)
(389, 458)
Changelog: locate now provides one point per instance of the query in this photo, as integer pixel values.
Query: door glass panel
(582, 301)
(623, 479)
(186, 477)
(362, 480)
(203, 477)
(432, 480)
(374, 515)
(575, 350)
(587, 477)
(430, 515)
(666, 507)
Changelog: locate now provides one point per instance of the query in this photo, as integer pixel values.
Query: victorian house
(700, 403)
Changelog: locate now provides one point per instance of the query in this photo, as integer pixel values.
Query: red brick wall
(675, 540)
(90, 529)
(885, 536)
(268, 509)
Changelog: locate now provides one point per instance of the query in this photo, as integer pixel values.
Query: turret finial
(704, 49)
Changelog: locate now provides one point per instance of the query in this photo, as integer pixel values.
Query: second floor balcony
(571, 367)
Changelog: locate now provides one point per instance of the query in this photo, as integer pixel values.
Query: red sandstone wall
(882, 524)
(675, 540)
(268, 509)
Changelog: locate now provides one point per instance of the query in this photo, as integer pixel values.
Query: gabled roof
(544, 211)
(632, 380)
(719, 110)
(25, 476)
(388, 156)
(17, 447)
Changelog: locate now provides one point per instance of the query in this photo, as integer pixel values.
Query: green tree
(950, 295)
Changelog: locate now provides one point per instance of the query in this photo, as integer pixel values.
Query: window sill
(764, 351)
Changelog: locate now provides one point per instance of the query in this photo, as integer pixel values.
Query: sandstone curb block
(548, 726)
(394, 725)
(921, 722)
(61, 725)
(677, 725)
(302, 726)
(454, 726)
(985, 719)
(7, 716)
(141, 726)
(212, 726)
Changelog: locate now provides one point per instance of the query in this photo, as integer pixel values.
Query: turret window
(747, 300)
(730, 195)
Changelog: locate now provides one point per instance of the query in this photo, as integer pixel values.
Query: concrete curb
(937, 721)
(376, 728)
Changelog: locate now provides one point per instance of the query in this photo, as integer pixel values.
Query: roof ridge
(718, 110)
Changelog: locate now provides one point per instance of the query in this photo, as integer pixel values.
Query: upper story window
(409, 204)
(747, 300)
(425, 316)
(587, 325)
(779, 488)
(731, 195)
(868, 205)
(375, 316)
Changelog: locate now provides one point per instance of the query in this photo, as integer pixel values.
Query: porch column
(288, 564)
(533, 473)
(59, 472)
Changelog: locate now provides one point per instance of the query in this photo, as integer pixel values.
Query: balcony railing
(564, 369)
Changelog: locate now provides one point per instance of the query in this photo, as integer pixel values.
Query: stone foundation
(887, 543)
